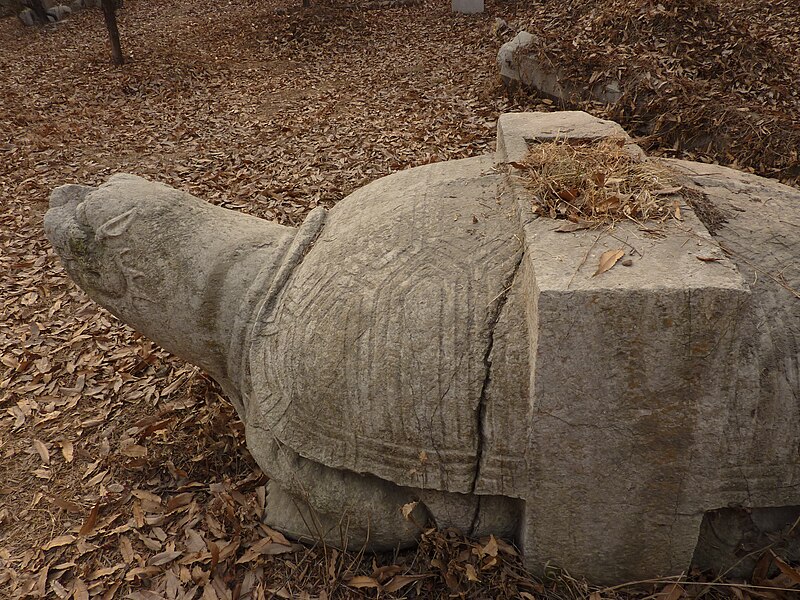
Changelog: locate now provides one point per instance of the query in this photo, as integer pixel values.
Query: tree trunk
(110, 14)
(38, 10)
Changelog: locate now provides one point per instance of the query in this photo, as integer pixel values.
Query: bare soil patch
(123, 472)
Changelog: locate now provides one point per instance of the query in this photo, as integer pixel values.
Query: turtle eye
(117, 226)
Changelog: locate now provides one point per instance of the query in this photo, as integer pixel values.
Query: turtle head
(185, 273)
(89, 236)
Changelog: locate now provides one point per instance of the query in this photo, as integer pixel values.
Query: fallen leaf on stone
(408, 508)
(608, 259)
(276, 536)
(569, 227)
(491, 547)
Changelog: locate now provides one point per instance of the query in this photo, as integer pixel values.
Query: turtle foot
(353, 529)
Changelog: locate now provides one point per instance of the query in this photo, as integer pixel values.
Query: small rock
(58, 12)
(27, 17)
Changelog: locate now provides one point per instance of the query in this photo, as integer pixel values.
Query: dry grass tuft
(598, 183)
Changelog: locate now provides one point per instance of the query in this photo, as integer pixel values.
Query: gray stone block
(467, 6)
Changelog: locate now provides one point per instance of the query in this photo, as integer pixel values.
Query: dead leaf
(79, 590)
(163, 558)
(491, 547)
(671, 591)
(148, 571)
(569, 195)
(677, 210)
(408, 508)
(362, 581)
(569, 227)
(398, 582)
(134, 451)
(267, 547)
(599, 179)
(91, 520)
(67, 451)
(472, 575)
(61, 540)
(42, 451)
(667, 191)
(126, 549)
(67, 505)
(608, 259)
(708, 258)
(787, 570)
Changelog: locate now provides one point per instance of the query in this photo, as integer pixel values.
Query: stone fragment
(58, 12)
(27, 17)
(521, 63)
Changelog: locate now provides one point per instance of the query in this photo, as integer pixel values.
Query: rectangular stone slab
(629, 368)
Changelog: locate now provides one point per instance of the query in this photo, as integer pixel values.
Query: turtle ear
(116, 226)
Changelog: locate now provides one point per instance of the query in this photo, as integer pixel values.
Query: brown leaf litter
(708, 80)
(123, 472)
(598, 183)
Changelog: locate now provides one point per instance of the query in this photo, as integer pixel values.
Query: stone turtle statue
(431, 352)
(354, 348)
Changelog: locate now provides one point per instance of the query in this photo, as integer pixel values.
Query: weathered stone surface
(404, 323)
(27, 17)
(430, 343)
(520, 64)
(120, 243)
(467, 6)
(59, 12)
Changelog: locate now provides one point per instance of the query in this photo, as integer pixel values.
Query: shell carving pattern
(383, 366)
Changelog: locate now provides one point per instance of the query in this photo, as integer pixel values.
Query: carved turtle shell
(376, 357)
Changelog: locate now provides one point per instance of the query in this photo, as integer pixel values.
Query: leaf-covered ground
(123, 473)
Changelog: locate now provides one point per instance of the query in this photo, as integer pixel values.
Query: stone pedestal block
(467, 6)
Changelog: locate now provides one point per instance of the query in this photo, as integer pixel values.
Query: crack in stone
(494, 317)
